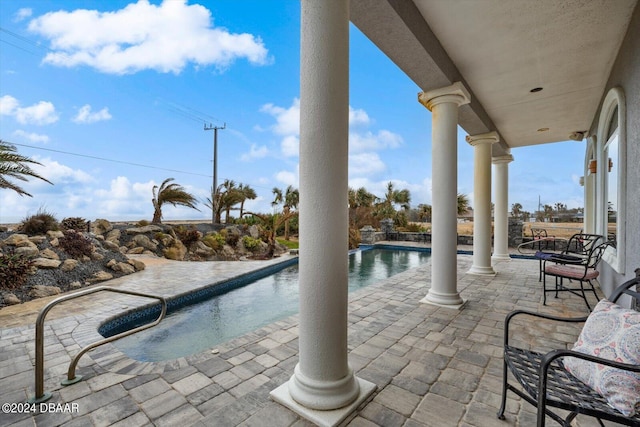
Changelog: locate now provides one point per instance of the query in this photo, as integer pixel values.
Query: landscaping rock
(17, 240)
(254, 231)
(48, 253)
(137, 264)
(114, 235)
(27, 250)
(101, 226)
(123, 267)
(40, 291)
(46, 263)
(100, 276)
(111, 246)
(144, 229)
(11, 299)
(69, 264)
(55, 234)
(145, 242)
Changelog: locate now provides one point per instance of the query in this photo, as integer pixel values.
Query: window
(611, 170)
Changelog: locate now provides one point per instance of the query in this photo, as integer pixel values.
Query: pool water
(205, 324)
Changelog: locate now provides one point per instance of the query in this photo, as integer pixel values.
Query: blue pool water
(213, 321)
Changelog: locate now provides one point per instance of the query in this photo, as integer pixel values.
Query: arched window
(612, 176)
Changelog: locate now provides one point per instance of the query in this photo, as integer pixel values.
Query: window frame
(615, 257)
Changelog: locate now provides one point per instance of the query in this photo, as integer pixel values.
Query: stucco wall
(626, 74)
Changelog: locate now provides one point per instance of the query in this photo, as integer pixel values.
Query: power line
(109, 160)
(119, 161)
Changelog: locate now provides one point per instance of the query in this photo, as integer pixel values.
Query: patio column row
(501, 211)
(482, 202)
(443, 104)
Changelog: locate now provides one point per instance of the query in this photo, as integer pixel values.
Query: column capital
(456, 93)
(502, 159)
(483, 138)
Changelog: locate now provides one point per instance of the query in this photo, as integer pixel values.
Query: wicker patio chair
(546, 384)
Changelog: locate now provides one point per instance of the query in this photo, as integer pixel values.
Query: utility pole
(215, 169)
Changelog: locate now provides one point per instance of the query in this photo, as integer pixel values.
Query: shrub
(230, 236)
(187, 235)
(75, 244)
(143, 223)
(74, 223)
(250, 243)
(39, 223)
(14, 270)
(214, 240)
(415, 228)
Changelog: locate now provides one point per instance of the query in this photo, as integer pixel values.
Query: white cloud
(287, 119)
(367, 141)
(86, 116)
(255, 152)
(358, 117)
(288, 178)
(8, 105)
(42, 113)
(142, 36)
(32, 137)
(61, 174)
(22, 14)
(364, 145)
(365, 164)
(290, 146)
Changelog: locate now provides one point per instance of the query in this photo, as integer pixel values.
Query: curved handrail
(41, 396)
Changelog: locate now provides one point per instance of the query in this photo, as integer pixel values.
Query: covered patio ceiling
(504, 52)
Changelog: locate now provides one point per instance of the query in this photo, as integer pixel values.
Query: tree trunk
(286, 210)
(157, 215)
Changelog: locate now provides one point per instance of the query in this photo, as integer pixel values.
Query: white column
(501, 212)
(482, 202)
(323, 387)
(443, 104)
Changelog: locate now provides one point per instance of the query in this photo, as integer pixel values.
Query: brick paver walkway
(433, 366)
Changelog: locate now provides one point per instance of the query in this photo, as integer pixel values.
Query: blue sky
(112, 97)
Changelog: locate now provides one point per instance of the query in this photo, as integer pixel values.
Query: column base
(481, 271)
(444, 300)
(323, 418)
(500, 258)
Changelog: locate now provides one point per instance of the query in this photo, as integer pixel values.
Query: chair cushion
(610, 332)
(571, 271)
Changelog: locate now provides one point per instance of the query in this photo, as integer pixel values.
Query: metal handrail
(41, 396)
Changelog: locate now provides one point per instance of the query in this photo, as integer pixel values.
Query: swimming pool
(205, 324)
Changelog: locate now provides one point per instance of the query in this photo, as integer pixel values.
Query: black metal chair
(575, 249)
(573, 268)
(545, 383)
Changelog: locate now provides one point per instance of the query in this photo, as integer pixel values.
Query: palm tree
(360, 208)
(516, 210)
(424, 212)
(12, 165)
(228, 198)
(247, 193)
(386, 208)
(173, 194)
(463, 203)
(290, 198)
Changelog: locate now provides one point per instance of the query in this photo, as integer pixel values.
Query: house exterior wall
(626, 74)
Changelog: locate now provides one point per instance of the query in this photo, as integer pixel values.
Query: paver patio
(433, 366)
